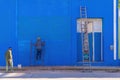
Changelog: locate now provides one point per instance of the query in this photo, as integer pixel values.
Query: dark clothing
(38, 46)
(38, 54)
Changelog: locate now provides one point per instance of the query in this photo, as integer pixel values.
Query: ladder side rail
(85, 35)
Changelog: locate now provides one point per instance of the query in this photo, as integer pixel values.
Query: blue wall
(51, 20)
(103, 9)
(8, 34)
(97, 47)
(55, 22)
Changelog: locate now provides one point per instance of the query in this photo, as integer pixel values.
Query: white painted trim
(93, 42)
(115, 25)
(102, 42)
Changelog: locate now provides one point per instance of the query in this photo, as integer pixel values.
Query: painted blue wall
(51, 20)
(97, 47)
(55, 22)
(8, 36)
(103, 9)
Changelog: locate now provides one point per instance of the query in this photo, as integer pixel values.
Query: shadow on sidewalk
(61, 74)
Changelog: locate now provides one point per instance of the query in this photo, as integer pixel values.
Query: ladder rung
(85, 45)
(85, 48)
(83, 12)
(86, 41)
(83, 15)
(82, 7)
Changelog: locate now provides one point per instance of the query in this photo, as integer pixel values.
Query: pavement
(96, 68)
(60, 73)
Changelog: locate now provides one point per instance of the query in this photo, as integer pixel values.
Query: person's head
(10, 48)
(38, 39)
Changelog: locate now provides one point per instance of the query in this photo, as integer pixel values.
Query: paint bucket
(19, 66)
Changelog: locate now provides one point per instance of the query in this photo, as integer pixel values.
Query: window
(94, 28)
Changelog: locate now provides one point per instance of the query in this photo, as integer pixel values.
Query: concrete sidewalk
(56, 74)
(61, 73)
(60, 79)
(74, 68)
(94, 68)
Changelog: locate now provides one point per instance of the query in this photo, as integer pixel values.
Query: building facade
(58, 22)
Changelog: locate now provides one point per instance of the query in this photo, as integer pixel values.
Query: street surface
(59, 75)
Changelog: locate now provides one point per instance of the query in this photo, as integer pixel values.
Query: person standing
(38, 46)
(9, 60)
